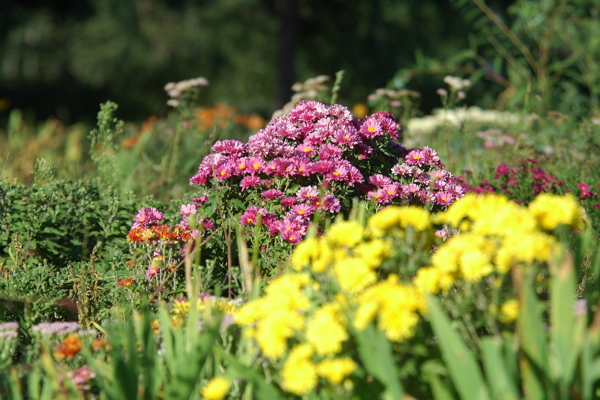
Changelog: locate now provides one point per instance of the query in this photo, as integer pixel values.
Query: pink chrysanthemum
(272, 194)
(288, 201)
(442, 198)
(371, 128)
(250, 181)
(380, 180)
(307, 193)
(303, 209)
(330, 203)
(147, 216)
(230, 147)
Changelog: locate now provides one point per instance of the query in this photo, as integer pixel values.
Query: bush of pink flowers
(316, 160)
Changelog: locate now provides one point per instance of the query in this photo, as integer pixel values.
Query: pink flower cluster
(316, 158)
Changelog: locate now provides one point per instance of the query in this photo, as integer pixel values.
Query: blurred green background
(64, 58)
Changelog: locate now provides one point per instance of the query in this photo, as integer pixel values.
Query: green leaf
(376, 354)
(533, 341)
(501, 383)
(463, 368)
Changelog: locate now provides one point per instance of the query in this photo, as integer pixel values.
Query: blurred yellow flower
(336, 370)
(299, 373)
(216, 389)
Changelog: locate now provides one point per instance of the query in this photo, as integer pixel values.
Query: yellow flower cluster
(495, 235)
(335, 283)
(294, 318)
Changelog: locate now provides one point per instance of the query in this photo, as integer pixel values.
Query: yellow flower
(216, 389)
(353, 274)
(373, 252)
(299, 375)
(336, 370)
(509, 311)
(345, 233)
(396, 306)
(327, 330)
(427, 280)
(475, 265)
(395, 218)
(552, 210)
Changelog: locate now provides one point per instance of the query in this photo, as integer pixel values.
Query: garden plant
(330, 251)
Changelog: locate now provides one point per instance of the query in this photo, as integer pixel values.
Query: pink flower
(302, 209)
(250, 217)
(307, 193)
(371, 128)
(306, 150)
(223, 172)
(347, 137)
(330, 203)
(200, 200)
(250, 181)
(272, 194)
(585, 190)
(288, 201)
(380, 196)
(442, 198)
(380, 180)
(292, 236)
(328, 151)
(230, 147)
(146, 217)
(415, 157)
(187, 209)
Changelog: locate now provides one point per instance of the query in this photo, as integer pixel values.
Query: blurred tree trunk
(288, 33)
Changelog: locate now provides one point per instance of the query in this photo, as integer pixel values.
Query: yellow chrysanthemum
(396, 306)
(345, 233)
(336, 370)
(353, 274)
(216, 389)
(327, 330)
(299, 375)
(551, 210)
(398, 218)
(509, 311)
(373, 252)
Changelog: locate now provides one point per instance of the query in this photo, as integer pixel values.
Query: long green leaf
(463, 368)
(376, 354)
(565, 345)
(533, 341)
(501, 383)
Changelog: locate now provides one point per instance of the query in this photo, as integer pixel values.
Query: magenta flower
(147, 216)
(250, 181)
(307, 193)
(371, 128)
(380, 180)
(585, 190)
(288, 201)
(200, 200)
(328, 151)
(272, 194)
(303, 209)
(442, 198)
(501, 170)
(330, 203)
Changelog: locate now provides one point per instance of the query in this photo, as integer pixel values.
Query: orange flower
(130, 263)
(98, 344)
(126, 282)
(70, 346)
